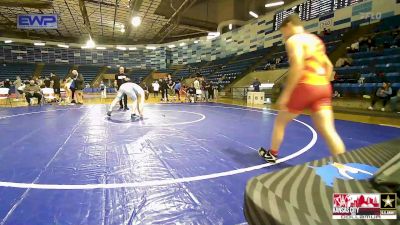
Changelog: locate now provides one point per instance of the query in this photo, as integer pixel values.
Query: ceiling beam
(174, 20)
(115, 15)
(37, 4)
(85, 16)
(72, 16)
(195, 28)
(134, 6)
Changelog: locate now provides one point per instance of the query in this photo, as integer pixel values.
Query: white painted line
(143, 123)
(172, 180)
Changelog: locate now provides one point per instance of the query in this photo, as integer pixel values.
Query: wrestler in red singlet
(307, 87)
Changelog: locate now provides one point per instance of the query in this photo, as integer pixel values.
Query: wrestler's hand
(282, 102)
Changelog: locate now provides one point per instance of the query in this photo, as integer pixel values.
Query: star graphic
(388, 201)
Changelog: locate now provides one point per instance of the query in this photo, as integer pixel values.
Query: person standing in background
(17, 85)
(55, 80)
(119, 80)
(196, 85)
(156, 88)
(103, 90)
(77, 87)
(177, 88)
(164, 90)
(256, 85)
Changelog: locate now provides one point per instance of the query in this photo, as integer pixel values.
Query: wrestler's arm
(296, 60)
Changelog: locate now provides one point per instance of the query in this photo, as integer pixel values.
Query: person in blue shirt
(177, 88)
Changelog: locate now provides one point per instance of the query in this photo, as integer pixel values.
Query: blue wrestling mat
(182, 164)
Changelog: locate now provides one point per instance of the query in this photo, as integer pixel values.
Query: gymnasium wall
(259, 33)
(141, 58)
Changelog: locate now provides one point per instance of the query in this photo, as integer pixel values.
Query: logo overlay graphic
(364, 206)
(348, 171)
(37, 21)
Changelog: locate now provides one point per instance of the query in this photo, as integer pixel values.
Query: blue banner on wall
(37, 21)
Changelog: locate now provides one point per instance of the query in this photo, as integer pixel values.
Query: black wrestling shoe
(267, 155)
(109, 113)
(134, 117)
(126, 109)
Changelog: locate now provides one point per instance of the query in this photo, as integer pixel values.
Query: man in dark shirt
(191, 93)
(119, 80)
(7, 83)
(164, 89)
(256, 85)
(56, 84)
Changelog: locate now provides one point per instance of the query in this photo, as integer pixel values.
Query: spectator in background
(383, 93)
(32, 90)
(55, 80)
(210, 90)
(119, 80)
(7, 83)
(192, 94)
(156, 88)
(177, 89)
(204, 93)
(17, 85)
(103, 90)
(183, 91)
(77, 87)
(47, 82)
(196, 85)
(256, 85)
(371, 44)
(394, 101)
(164, 89)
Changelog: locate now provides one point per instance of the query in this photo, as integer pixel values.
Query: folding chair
(48, 95)
(5, 95)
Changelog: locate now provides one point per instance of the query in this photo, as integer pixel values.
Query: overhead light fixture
(212, 35)
(8, 41)
(136, 21)
(63, 46)
(196, 41)
(132, 48)
(171, 46)
(90, 43)
(230, 26)
(253, 14)
(101, 48)
(123, 30)
(39, 44)
(150, 47)
(274, 4)
(121, 48)
(182, 44)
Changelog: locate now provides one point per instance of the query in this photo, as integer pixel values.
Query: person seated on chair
(383, 93)
(32, 90)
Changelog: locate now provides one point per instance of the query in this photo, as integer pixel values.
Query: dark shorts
(177, 92)
(57, 91)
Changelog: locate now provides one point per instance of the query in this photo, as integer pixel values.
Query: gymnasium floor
(183, 164)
